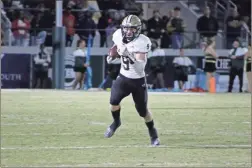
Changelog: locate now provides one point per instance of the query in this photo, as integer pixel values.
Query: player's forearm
(140, 65)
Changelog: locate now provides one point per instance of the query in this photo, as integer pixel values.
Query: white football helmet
(131, 28)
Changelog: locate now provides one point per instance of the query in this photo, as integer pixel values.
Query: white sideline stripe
(126, 146)
(144, 163)
(29, 123)
(46, 123)
(166, 132)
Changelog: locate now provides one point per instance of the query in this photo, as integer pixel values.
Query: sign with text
(15, 70)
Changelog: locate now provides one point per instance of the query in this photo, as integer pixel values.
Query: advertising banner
(15, 70)
(69, 72)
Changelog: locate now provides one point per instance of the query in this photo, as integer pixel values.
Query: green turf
(65, 128)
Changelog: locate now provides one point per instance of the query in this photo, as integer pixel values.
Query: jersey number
(148, 46)
(126, 62)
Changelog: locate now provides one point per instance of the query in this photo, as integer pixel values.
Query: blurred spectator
(88, 25)
(144, 24)
(109, 31)
(116, 4)
(248, 67)
(42, 62)
(116, 15)
(157, 64)
(1, 5)
(80, 65)
(69, 22)
(21, 27)
(207, 26)
(5, 29)
(83, 4)
(182, 64)
(38, 36)
(176, 26)
(166, 36)
(17, 4)
(7, 3)
(245, 30)
(83, 7)
(35, 26)
(237, 54)
(102, 25)
(2, 36)
(234, 24)
(155, 26)
(210, 60)
(46, 23)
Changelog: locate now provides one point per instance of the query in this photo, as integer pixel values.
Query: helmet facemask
(129, 33)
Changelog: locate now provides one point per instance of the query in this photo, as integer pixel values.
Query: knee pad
(114, 102)
(142, 110)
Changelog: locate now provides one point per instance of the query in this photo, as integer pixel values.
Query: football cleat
(111, 129)
(155, 142)
(154, 137)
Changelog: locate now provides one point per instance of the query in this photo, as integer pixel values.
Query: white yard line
(30, 123)
(143, 164)
(164, 132)
(126, 146)
(47, 123)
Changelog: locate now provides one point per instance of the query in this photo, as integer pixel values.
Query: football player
(132, 47)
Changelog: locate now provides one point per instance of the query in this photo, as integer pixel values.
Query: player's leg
(140, 97)
(119, 90)
(77, 78)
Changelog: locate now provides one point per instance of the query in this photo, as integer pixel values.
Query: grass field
(65, 128)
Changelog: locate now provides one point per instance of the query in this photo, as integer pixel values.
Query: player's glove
(111, 59)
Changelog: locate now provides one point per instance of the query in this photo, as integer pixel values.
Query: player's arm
(112, 55)
(140, 59)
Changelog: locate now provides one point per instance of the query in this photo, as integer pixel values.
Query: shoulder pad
(142, 44)
(117, 37)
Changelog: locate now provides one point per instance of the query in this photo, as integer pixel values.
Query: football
(113, 51)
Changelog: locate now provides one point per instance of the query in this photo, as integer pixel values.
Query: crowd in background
(34, 27)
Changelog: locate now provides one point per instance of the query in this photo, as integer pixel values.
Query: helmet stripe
(129, 18)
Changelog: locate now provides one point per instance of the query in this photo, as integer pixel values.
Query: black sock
(116, 115)
(152, 130)
(150, 124)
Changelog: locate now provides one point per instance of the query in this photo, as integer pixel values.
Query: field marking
(30, 123)
(48, 123)
(125, 146)
(197, 108)
(145, 163)
(167, 132)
